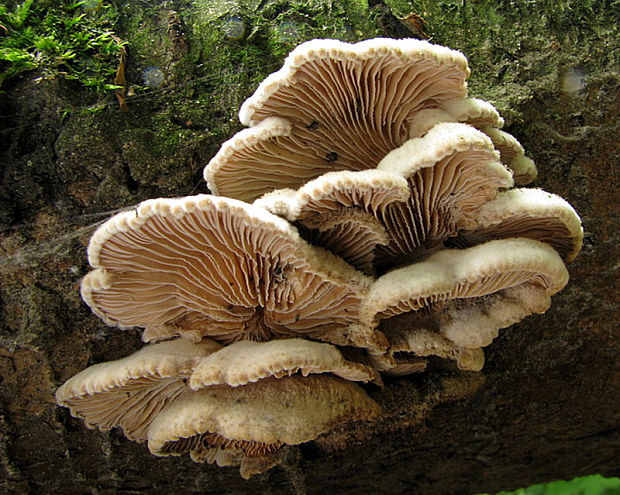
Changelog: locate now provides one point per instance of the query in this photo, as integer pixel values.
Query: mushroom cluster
(366, 222)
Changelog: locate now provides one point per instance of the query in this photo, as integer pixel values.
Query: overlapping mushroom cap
(246, 362)
(472, 111)
(340, 211)
(130, 392)
(211, 266)
(531, 213)
(483, 116)
(333, 106)
(453, 192)
(465, 296)
(421, 194)
(451, 172)
(373, 152)
(256, 419)
(240, 396)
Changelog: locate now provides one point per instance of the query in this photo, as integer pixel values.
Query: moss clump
(68, 39)
(518, 48)
(590, 485)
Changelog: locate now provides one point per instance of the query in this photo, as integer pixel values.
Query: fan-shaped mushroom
(483, 116)
(472, 111)
(513, 155)
(256, 419)
(210, 266)
(348, 105)
(452, 171)
(130, 392)
(532, 213)
(339, 211)
(468, 295)
(246, 362)
(420, 195)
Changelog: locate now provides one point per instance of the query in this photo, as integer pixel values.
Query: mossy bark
(546, 405)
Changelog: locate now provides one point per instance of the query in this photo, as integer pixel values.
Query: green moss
(517, 47)
(587, 485)
(235, 44)
(68, 39)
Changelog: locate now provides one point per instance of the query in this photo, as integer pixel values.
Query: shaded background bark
(547, 404)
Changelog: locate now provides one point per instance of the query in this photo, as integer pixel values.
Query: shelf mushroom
(243, 426)
(483, 116)
(531, 213)
(472, 111)
(465, 295)
(333, 106)
(421, 194)
(207, 266)
(248, 362)
(513, 155)
(252, 397)
(340, 210)
(371, 151)
(455, 195)
(451, 171)
(131, 391)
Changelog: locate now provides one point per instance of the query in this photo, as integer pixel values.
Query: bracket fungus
(372, 151)
(347, 106)
(182, 396)
(420, 194)
(130, 392)
(340, 210)
(472, 111)
(531, 213)
(272, 412)
(247, 362)
(483, 116)
(207, 266)
(465, 295)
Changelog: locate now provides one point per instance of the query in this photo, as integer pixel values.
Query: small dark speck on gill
(331, 157)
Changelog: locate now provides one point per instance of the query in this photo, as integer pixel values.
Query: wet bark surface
(546, 405)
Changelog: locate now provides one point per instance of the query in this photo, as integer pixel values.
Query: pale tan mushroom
(260, 159)
(413, 337)
(468, 295)
(513, 155)
(472, 111)
(476, 323)
(256, 419)
(348, 105)
(246, 362)
(130, 392)
(452, 172)
(421, 194)
(483, 116)
(369, 191)
(210, 266)
(339, 210)
(532, 213)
